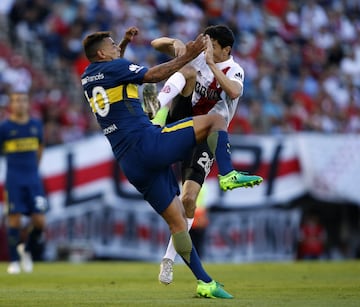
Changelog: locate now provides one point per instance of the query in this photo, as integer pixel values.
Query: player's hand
(209, 52)
(194, 48)
(131, 33)
(179, 48)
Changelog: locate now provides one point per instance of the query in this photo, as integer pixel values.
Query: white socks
(172, 87)
(170, 251)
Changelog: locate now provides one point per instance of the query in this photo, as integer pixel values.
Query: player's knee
(188, 72)
(183, 244)
(189, 202)
(14, 220)
(217, 122)
(38, 221)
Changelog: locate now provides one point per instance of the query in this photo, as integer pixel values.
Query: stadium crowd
(301, 58)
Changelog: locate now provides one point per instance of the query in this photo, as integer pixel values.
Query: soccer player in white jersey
(211, 83)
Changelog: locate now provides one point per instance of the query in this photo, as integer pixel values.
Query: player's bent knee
(189, 202)
(188, 72)
(183, 244)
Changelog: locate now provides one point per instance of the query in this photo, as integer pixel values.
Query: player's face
(220, 54)
(19, 104)
(109, 49)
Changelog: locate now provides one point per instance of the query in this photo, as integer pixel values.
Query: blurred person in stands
(211, 84)
(312, 239)
(17, 76)
(21, 139)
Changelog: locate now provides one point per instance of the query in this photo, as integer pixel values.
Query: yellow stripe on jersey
(182, 125)
(21, 145)
(112, 95)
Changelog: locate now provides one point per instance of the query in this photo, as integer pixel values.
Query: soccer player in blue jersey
(146, 152)
(21, 139)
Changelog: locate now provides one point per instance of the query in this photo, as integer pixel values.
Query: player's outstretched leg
(229, 178)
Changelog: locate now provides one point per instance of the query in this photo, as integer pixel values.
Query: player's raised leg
(212, 127)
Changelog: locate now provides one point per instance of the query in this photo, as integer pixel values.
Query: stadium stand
(302, 62)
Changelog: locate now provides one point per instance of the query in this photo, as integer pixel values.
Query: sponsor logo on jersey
(135, 68)
(239, 76)
(209, 93)
(21, 145)
(110, 129)
(98, 76)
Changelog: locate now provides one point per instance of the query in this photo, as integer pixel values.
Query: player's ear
(227, 49)
(100, 53)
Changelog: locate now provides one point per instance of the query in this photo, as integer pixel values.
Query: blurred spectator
(17, 76)
(350, 63)
(312, 241)
(312, 17)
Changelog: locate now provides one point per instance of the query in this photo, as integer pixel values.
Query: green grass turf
(135, 284)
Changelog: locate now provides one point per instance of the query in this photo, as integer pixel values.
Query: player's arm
(128, 37)
(41, 146)
(170, 46)
(165, 70)
(232, 88)
(40, 152)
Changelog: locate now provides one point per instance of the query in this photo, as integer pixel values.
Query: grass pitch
(135, 284)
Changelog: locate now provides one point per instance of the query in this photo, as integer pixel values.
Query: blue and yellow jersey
(20, 144)
(111, 89)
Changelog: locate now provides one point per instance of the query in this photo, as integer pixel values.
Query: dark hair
(222, 34)
(92, 42)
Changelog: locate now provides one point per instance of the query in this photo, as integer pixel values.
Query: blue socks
(185, 248)
(219, 145)
(196, 267)
(13, 241)
(34, 239)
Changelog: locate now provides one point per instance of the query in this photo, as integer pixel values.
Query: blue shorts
(148, 163)
(26, 199)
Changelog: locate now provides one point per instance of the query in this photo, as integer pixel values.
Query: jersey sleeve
(236, 73)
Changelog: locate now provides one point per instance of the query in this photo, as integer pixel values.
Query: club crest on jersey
(166, 89)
